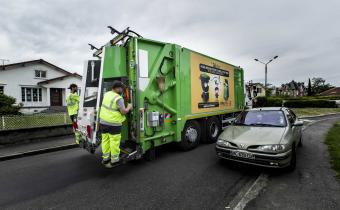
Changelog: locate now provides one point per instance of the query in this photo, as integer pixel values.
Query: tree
(309, 89)
(319, 85)
(7, 106)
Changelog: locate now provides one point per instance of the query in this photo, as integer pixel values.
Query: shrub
(262, 101)
(317, 103)
(274, 102)
(7, 106)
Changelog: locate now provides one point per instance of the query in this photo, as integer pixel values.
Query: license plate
(242, 154)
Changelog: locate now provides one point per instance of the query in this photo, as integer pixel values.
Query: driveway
(313, 184)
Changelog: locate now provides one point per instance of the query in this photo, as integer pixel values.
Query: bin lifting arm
(120, 37)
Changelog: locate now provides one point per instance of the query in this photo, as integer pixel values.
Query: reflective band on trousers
(109, 113)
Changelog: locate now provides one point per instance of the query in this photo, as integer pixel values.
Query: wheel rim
(213, 130)
(191, 134)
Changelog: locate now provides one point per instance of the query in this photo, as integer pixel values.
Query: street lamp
(265, 69)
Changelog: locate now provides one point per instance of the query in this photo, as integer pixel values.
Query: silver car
(263, 136)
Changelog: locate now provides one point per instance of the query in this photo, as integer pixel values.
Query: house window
(31, 94)
(259, 90)
(1, 89)
(40, 74)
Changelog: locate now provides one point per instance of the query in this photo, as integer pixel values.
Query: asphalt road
(313, 184)
(74, 179)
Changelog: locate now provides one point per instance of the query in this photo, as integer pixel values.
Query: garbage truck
(178, 95)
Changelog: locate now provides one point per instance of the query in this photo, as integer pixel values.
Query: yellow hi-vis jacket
(72, 101)
(109, 113)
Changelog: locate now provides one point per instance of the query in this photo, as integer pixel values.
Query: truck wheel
(150, 155)
(191, 135)
(212, 130)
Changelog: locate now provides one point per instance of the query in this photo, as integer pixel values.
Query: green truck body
(178, 95)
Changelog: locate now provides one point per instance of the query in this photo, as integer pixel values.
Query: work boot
(104, 162)
(111, 165)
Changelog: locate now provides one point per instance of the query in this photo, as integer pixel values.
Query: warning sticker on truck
(212, 84)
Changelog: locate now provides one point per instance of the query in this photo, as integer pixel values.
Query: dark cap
(72, 86)
(117, 84)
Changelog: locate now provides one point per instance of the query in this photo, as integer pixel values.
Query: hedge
(335, 97)
(268, 102)
(295, 103)
(318, 103)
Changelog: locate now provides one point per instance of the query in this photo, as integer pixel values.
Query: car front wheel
(292, 163)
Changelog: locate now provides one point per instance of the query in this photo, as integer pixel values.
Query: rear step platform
(128, 152)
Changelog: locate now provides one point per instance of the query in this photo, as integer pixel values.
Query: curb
(320, 120)
(37, 152)
(320, 115)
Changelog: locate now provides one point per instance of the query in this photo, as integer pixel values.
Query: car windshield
(261, 118)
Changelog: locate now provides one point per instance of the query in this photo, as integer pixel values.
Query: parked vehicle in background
(262, 136)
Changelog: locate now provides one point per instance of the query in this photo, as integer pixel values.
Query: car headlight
(272, 148)
(223, 143)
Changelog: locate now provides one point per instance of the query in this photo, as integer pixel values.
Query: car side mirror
(298, 123)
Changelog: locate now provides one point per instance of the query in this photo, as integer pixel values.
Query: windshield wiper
(264, 124)
(235, 123)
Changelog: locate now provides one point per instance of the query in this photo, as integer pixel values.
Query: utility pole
(3, 61)
(266, 71)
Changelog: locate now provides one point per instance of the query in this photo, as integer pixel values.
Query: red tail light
(89, 131)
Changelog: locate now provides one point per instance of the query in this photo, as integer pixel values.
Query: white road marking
(248, 194)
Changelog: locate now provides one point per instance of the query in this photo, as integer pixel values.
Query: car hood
(253, 135)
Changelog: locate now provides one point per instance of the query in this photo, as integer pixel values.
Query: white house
(37, 84)
(253, 90)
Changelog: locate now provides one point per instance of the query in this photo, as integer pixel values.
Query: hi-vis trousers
(110, 146)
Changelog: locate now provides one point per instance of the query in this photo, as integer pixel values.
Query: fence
(16, 122)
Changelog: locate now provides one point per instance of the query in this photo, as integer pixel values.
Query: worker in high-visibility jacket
(111, 116)
(72, 101)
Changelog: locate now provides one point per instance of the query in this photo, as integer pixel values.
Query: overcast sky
(305, 34)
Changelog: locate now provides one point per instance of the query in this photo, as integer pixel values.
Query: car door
(295, 129)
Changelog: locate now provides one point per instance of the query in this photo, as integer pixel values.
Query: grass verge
(308, 112)
(333, 142)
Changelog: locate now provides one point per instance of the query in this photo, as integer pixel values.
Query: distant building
(37, 84)
(331, 92)
(254, 90)
(292, 89)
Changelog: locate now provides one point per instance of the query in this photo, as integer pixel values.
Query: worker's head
(117, 87)
(73, 88)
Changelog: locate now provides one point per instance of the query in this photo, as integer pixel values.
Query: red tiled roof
(332, 91)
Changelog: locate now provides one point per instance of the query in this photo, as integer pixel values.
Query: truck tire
(150, 155)
(191, 135)
(212, 130)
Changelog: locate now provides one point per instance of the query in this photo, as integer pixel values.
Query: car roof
(267, 109)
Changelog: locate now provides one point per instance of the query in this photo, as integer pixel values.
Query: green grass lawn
(307, 112)
(333, 142)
